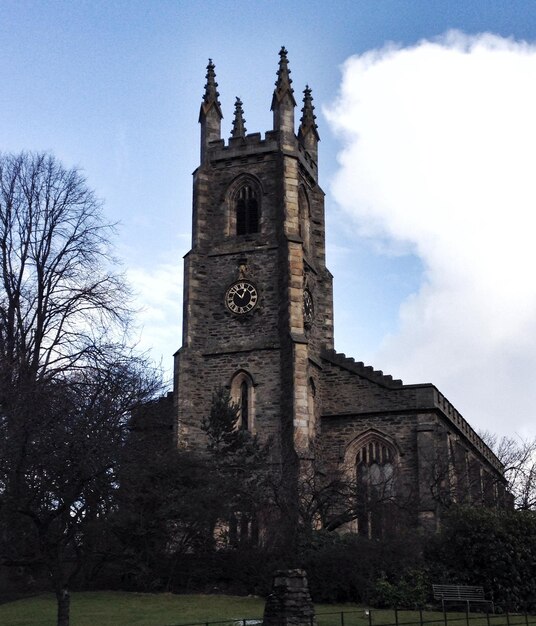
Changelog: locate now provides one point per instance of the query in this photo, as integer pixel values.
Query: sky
(426, 115)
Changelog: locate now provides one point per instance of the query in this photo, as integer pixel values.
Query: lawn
(116, 608)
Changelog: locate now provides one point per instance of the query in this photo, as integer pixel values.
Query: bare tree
(59, 298)
(518, 456)
(67, 380)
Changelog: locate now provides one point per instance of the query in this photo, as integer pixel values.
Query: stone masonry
(290, 603)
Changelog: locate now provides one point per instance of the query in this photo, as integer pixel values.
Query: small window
(247, 211)
(242, 394)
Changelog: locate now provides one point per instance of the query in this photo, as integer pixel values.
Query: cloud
(439, 157)
(158, 295)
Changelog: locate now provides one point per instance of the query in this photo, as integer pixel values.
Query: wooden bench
(461, 594)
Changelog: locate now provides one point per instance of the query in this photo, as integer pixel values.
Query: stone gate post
(290, 602)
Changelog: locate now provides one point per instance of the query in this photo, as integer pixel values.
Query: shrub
(410, 591)
(346, 568)
(495, 549)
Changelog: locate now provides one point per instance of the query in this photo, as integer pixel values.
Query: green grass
(111, 608)
(116, 608)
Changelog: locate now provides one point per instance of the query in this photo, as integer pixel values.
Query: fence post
(445, 615)
(342, 618)
(420, 617)
(370, 617)
(508, 617)
(487, 617)
(526, 617)
(396, 616)
(467, 614)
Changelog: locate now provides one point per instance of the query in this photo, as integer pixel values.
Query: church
(258, 320)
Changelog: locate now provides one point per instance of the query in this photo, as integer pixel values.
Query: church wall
(213, 327)
(218, 370)
(338, 434)
(436, 466)
(342, 389)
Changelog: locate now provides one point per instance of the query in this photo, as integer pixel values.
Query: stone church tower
(258, 319)
(257, 295)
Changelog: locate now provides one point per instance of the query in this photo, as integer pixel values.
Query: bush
(409, 592)
(494, 549)
(346, 568)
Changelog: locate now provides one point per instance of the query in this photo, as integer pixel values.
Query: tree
(165, 502)
(241, 463)
(187, 518)
(67, 380)
(518, 456)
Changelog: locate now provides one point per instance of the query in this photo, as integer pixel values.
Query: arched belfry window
(242, 394)
(247, 210)
(375, 459)
(243, 200)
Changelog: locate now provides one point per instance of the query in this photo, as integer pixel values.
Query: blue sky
(115, 88)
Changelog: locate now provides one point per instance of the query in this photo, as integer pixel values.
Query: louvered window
(247, 211)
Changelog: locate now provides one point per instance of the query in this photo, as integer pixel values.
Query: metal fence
(378, 617)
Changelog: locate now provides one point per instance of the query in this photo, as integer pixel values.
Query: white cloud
(440, 155)
(158, 295)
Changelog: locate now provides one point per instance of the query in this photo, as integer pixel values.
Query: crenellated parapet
(253, 145)
(438, 400)
(358, 367)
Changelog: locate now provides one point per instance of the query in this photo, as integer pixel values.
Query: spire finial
(307, 121)
(210, 114)
(308, 133)
(211, 95)
(239, 129)
(283, 84)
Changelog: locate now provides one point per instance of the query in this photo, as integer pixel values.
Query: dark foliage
(495, 549)
(346, 568)
(184, 519)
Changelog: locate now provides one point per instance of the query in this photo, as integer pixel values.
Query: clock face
(241, 297)
(308, 307)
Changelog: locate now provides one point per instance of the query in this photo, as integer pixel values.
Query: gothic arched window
(247, 211)
(375, 484)
(243, 396)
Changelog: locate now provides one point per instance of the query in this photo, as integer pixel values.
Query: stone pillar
(290, 603)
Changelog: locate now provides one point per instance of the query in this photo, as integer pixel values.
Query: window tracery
(375, 460)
